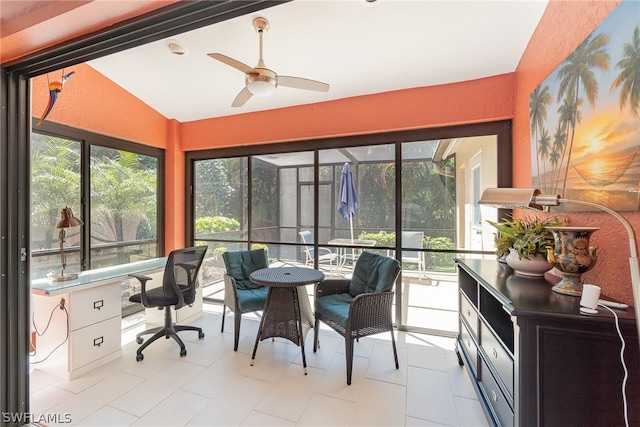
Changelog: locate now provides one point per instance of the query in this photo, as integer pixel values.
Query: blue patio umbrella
(348, 198)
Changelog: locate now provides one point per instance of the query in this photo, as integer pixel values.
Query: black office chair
(178, 289)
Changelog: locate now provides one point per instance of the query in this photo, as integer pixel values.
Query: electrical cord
(624, 366)
(61, 307)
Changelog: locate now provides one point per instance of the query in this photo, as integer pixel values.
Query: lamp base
(65, 277)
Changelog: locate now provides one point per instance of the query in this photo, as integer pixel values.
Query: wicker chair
(240, 294)
(361, 306)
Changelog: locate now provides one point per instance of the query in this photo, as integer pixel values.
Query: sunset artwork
(585, 118)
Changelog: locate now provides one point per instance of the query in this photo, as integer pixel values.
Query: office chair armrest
(143, 288)
(332, 286)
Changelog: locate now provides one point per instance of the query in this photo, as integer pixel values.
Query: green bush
(434, 261)
(213, 224)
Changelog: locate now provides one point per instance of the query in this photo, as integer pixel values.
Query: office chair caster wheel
(200, 335)
(139, 340)
(183, 352)
(139, 357)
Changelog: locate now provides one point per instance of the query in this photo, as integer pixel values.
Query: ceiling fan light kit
(261, 81)
(263, 84)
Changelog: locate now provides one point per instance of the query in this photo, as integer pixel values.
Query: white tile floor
(215, 386)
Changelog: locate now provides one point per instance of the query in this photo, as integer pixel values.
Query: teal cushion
(335, 307)
(252, 299)
(240, 264)
(373, 273)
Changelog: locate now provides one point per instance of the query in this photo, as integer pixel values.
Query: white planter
(535, 266)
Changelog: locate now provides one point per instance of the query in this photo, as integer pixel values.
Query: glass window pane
(220, 197)
(124, 206)
(55, 184)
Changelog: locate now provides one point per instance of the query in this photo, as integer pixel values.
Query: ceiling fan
(261, 81)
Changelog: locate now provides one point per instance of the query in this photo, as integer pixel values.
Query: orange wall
(552, 42)
(475, 101)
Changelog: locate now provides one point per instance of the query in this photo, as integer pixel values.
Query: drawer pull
(468, 313)
(469, 343)
(98, 304)
(494, 395)
(495, 353)
(98, 341)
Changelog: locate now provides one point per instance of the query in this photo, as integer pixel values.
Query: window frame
(88, 139)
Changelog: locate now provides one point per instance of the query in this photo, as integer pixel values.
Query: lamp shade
(517, 198)
(67, 219)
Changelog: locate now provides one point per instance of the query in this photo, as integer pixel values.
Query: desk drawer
(94, 342)
(94, 305)
(498, 357)
(469, 313)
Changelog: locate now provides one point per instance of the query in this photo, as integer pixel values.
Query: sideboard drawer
(94, 342)
(498, 357)
(469, 313)
(469, 345)
(94, 305)
(497, 401)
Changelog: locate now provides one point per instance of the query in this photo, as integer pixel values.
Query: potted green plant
(526, 238)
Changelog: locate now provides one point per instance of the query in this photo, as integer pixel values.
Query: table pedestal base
(287, 314)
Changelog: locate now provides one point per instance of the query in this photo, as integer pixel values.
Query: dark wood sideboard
(535, 360)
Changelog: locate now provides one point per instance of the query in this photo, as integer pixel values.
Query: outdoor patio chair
(179, 283)
(413, 239)
(325, 255)
(241, 295)
(361, 306)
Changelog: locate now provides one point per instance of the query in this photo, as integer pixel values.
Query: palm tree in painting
(576, 73)
(538, 101)
(544, 144)
(629, 77)
(557, 147)
(570, 116)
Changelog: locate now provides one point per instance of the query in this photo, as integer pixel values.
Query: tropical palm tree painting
(585, 117)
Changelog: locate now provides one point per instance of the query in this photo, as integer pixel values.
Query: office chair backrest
(182, 270)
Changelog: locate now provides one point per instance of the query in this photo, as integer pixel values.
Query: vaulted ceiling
(357, 47)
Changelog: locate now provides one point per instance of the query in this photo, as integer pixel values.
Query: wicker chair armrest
(230, 293)
(371, 313)
(332, 286)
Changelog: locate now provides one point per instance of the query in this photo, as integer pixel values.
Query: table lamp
(66, 220)
(532, 198)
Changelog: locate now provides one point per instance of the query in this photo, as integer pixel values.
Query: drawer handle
(468, 313)
(469, 343)
(98, 341)
(495, 353)
(494, 395)
(98, 304)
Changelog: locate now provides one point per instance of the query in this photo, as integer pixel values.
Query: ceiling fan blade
(232, 62)
(242, 97)
(300, 83)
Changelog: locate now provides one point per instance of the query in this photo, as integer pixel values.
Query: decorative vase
(535, 266)
(572, 256)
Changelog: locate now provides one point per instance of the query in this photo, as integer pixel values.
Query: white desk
(87, 332)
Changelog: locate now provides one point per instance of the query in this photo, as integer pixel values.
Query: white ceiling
(357, 47)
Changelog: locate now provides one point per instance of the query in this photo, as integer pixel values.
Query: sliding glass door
(415, 202)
